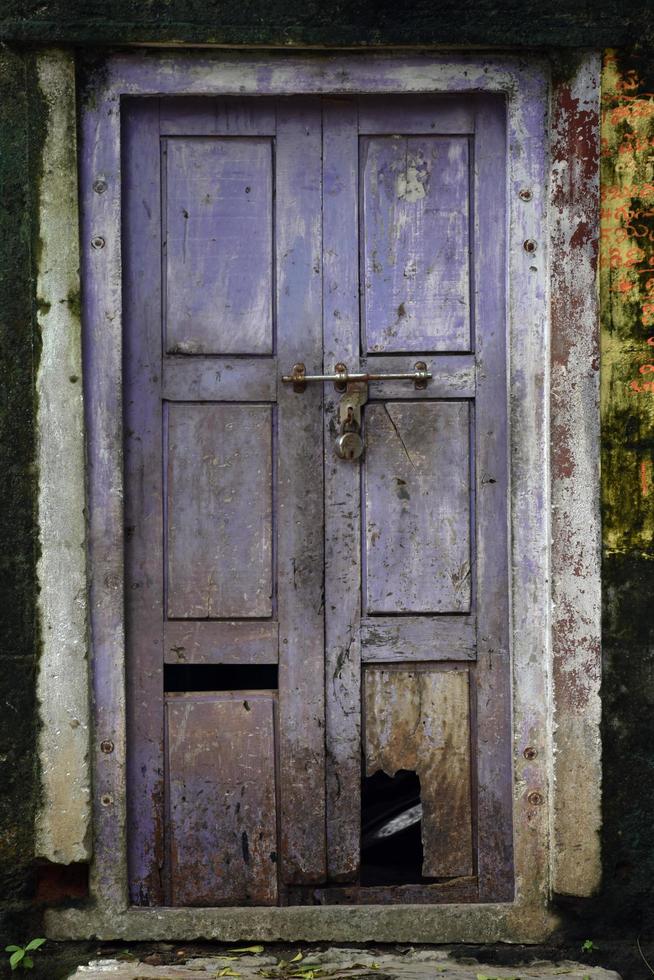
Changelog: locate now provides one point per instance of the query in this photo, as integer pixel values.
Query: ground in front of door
(330, 964)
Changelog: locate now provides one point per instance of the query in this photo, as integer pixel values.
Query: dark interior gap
(220, 677)
(391, 829)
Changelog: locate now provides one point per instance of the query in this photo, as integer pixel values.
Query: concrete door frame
(553, 335)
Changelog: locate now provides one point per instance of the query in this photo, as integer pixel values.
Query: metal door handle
(342, 377)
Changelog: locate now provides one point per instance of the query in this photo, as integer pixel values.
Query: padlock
(349, 445)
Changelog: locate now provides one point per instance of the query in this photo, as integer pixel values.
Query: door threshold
(514, 922)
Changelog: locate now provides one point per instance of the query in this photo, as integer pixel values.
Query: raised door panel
(417, 508)
(218, 245)
(221, 778)
(219, 511)
(415, 243)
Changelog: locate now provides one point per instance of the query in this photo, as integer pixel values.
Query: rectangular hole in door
(219, 677)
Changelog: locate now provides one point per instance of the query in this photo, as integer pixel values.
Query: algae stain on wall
(627, 299)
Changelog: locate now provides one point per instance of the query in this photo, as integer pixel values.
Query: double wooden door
(318, 654)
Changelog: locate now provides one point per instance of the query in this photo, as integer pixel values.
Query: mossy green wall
(18, 355)
(521, 23)
(628, 436)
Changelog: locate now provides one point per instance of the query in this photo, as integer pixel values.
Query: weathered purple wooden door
(318, 663)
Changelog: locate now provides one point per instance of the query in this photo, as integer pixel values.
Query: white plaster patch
(410, 186)
(63, 821)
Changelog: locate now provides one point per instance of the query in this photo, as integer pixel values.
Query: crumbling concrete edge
(63, 821)
(372, 923)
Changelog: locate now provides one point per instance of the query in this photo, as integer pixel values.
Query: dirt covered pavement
(335, 963)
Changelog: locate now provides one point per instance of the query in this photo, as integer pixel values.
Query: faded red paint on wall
(627, 282)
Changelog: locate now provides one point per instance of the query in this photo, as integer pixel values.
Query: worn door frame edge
(555, 701)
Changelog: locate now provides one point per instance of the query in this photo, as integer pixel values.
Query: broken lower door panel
(359, 608)
(418, 720)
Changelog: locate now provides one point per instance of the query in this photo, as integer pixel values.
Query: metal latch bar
(341, 377)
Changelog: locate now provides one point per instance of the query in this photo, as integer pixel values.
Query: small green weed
(19, 958)
(588, 946)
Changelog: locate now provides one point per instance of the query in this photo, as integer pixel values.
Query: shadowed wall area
(627, 296)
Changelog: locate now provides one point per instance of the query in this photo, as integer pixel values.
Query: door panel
(257, 234)
(417, 508)
(415, 243)
(221, 779)
(219, 642)
(218, 245)
(401, 638)
(218, 511)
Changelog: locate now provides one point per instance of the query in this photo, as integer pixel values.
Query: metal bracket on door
(354, 388)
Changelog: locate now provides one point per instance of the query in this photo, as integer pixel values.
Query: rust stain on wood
(419, 720)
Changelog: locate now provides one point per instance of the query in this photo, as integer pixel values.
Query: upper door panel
(415, 245)
(218, 251)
